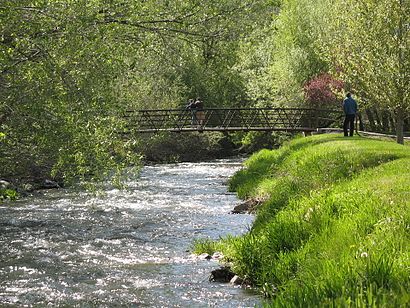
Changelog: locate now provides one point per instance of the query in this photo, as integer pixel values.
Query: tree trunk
(392, 121)
(377, 119)
(406, 125)
(400, 125)
(385, 121)
(371, 120)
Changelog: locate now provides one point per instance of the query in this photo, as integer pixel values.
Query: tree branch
(29, 9)
(154, 29)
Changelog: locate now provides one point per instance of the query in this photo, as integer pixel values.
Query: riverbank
(196, 146)
(334, 225)
(152, 149)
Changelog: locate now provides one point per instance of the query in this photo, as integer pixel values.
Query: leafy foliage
(320, 92)
(364, 44)
(369, 48)
(69, 70)
(8, 194)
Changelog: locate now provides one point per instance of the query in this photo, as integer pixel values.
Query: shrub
(320, 92)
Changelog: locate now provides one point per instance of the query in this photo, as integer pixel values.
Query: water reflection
(125, 248)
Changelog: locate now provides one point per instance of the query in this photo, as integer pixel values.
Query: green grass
(335, 227)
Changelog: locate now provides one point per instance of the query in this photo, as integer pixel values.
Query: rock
(205, 256)
(249, 206)
(236, 280)
(28, 187)
(47, 184)
(240, 208)
(223, 274)
(217, 255)
(4, 184)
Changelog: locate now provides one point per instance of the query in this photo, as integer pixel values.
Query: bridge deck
(230, 119)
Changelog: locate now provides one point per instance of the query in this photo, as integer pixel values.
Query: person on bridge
(192, 106)
(350, 110)
(200, 114)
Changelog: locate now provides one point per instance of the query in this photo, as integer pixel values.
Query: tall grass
(335, 227)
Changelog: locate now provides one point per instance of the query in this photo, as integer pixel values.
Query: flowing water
(125, 248)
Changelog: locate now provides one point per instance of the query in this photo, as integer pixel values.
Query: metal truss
(231, 119)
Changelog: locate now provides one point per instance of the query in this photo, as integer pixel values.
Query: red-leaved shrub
(320, 92)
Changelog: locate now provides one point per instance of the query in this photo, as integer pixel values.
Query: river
(125, 247)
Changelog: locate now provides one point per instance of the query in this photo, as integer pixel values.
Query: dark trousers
(349, 123)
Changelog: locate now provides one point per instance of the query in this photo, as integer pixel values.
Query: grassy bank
(335, 226)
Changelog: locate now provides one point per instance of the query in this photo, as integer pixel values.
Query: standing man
(200, 114)
(350, 110)
(192, 106)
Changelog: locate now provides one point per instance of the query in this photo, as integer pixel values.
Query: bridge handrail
(238, 109)
(226, 119)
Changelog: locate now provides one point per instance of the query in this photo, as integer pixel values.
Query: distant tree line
(313, 51)
(69, 69)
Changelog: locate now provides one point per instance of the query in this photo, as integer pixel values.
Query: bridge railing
(231, 119)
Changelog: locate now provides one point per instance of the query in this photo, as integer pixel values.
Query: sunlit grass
(335, 228)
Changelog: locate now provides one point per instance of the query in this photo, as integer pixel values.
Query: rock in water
(236, 280)
(49, 184)
(223, 274)
(249, 206)
(4, 184)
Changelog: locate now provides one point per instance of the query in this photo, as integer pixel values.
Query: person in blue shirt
(350, 110)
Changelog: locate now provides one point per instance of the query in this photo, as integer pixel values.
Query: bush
(321, 91)
(8, 194)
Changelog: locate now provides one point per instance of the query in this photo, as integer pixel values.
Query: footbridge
(231, 119)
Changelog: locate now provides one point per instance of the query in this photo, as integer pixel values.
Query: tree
(68, 70)
(279, 58)
(370, 47)
(58, 113)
